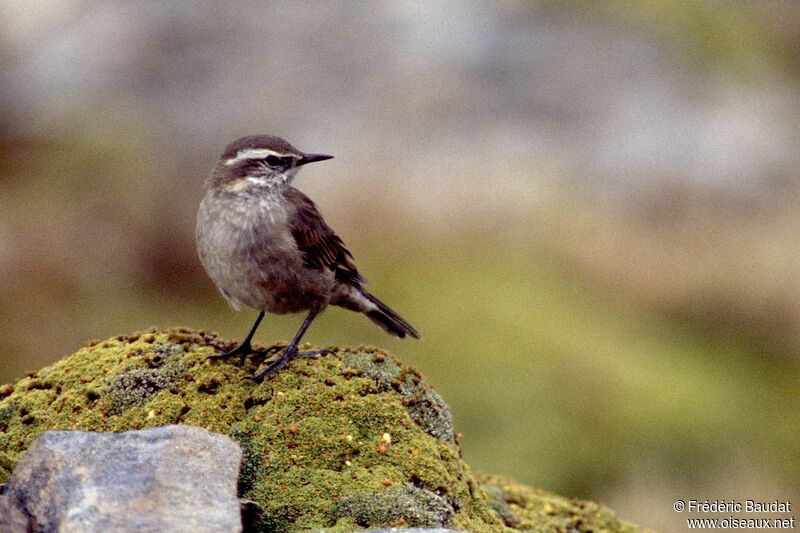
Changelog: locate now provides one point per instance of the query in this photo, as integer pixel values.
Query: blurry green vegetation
(720, 267)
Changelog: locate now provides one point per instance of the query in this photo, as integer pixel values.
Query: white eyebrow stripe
(251, 153)
(257, 181)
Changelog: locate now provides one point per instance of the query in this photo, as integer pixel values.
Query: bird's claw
(243, 352)
(274, 367)
(271, 369)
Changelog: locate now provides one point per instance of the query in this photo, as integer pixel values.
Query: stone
(166, 479)
(324, 443)
(12, 520)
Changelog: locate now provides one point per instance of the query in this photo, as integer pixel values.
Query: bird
(265, 245)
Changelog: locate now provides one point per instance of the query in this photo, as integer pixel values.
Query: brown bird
(265, 245)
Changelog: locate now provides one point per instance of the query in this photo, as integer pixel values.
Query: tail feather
(388, 319)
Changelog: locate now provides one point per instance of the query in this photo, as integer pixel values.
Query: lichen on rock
(424, 404)
(408, 506)
(134, 386)
(342, 442)
(526, 508)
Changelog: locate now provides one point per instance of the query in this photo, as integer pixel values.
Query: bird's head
(259, 164)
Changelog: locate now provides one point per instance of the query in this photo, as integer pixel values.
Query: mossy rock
(343, 442)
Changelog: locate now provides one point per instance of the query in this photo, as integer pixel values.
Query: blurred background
(589, 209)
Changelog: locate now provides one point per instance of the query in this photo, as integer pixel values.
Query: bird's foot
(243, 351)
(275, 366)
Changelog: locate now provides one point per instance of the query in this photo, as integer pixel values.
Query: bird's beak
(311, 158)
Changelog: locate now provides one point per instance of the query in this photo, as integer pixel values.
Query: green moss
(7, 463)
(499, 503)
(530, 509)
(374, 364)
(6, 412)
(351, 440)
(251, 461)
(407, 506)
(428, 409)
(426, 406)
(134, 386)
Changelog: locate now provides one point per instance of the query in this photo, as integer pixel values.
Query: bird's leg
(291, 351)
(244, 349)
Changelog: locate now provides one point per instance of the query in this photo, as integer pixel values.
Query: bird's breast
(233, 230)
(249, 252)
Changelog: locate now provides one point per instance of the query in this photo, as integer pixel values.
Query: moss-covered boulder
(343, 442)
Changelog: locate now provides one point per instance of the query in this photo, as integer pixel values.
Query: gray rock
(11, 518)
(166, 479)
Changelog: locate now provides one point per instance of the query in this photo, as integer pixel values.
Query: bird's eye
(273, 160)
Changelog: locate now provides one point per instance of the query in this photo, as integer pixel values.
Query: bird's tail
(388, 319)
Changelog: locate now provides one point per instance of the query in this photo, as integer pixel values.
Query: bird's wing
(321, 248)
